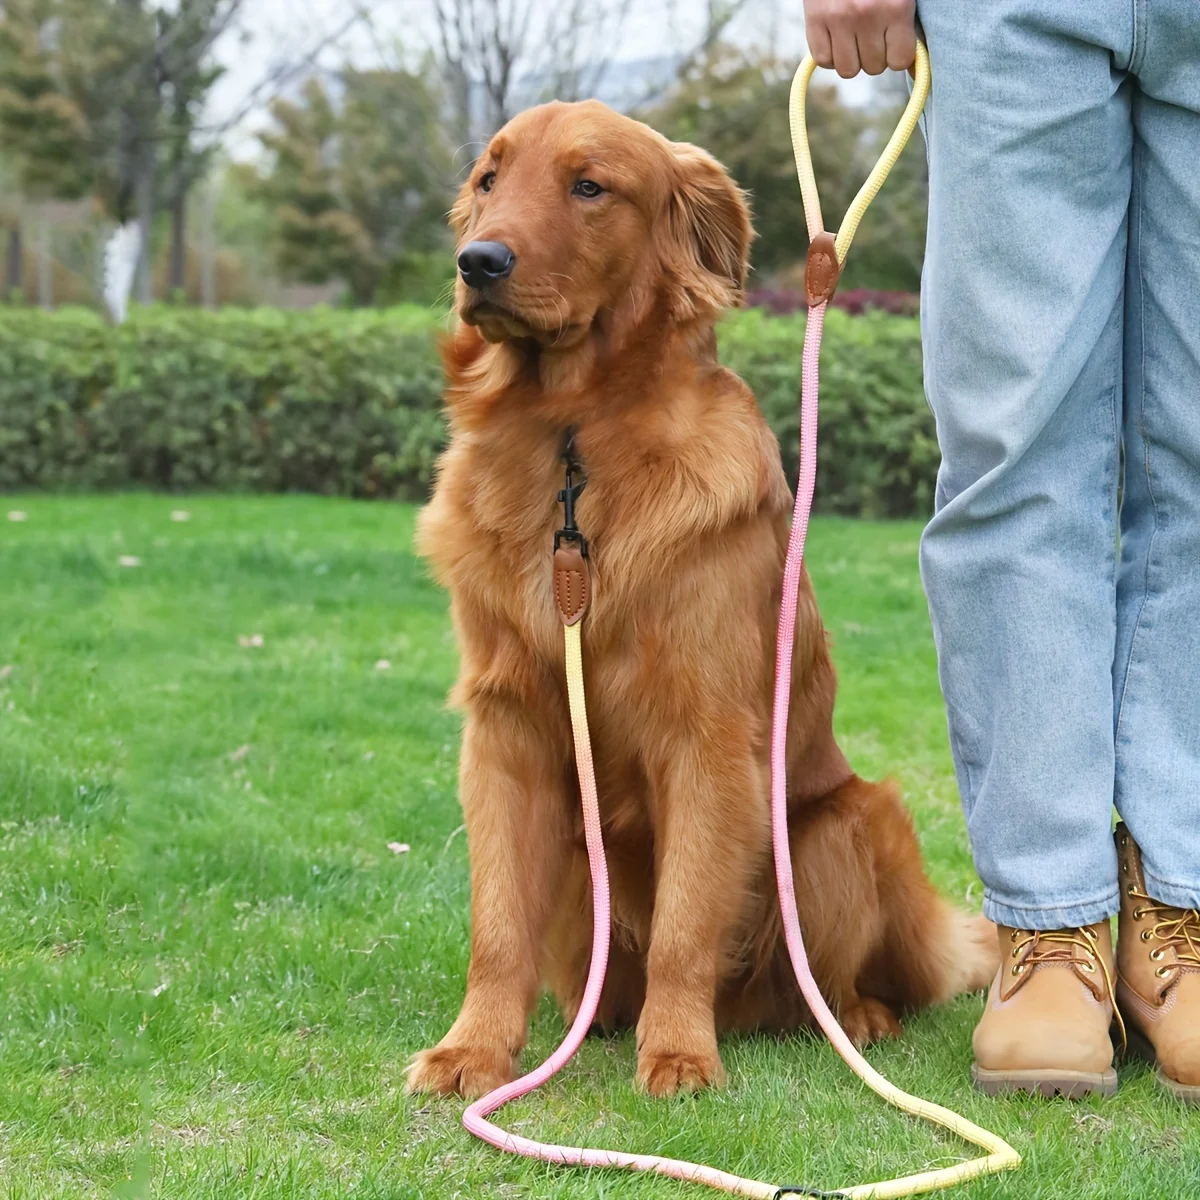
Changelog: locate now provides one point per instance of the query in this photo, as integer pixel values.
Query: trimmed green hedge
(348, 403)
(877, 454)
(344, 403)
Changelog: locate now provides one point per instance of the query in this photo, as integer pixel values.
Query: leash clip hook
(570, 493)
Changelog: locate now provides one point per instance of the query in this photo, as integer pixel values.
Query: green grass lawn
(215, 969)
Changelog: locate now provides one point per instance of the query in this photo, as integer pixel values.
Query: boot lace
(1177, 929)
(1059, 946)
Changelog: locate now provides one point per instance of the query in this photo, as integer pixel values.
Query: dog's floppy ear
(708, 235)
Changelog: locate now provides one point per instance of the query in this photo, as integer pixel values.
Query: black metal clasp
(803, 1190)
(576, 481)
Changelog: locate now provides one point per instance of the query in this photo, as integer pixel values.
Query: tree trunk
(458, 86)
(208, 266)
(177, 280)
(45, 264)
(144, 286)
(15, 263)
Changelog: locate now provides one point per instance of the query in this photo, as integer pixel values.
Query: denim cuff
(1175, 894)
(1069, 915)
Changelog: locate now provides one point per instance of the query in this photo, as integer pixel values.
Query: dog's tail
(931, 950)
(965, 956)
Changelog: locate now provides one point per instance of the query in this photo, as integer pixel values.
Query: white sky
(271, 32)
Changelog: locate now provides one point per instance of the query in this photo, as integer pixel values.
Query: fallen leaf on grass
(180, 514)
(399, 847)
(15, 514)
(189, 1135)
(383, 665)
(248, 640)
(129, 560)
(240, 753)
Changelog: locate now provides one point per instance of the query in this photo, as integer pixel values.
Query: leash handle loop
(887, 160)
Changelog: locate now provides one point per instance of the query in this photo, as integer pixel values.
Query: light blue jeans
(1061, 318)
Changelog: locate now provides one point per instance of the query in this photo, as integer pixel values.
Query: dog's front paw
(664, 1074)
(868, 1020)
(469, 1071)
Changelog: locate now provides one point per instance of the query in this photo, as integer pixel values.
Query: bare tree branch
(718, 16)
(277, 78)
(580, 44)
(513, 49)
(195, 52)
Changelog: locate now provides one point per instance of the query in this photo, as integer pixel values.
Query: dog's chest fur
(661, 487)
(683, 511)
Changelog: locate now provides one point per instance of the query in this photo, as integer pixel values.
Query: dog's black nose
(481, 263)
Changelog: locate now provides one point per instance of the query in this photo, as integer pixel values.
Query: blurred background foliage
(330, 179)
(307, 215)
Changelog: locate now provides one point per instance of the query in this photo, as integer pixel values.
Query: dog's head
(575, 213)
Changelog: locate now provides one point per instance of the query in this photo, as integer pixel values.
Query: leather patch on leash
(822, 270)
(572, 585)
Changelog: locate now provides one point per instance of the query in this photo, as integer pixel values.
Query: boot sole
(1139, 1046)
(1073, 1085)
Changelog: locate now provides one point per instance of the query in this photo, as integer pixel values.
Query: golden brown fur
(606, 324)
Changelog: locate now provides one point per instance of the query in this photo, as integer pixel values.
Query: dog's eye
(486, 181)
(587, 188)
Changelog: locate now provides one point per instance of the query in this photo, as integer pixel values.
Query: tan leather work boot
(1158, 976)
(1046, 1026)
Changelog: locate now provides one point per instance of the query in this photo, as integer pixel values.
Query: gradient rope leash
(572, 592)
(826, 256)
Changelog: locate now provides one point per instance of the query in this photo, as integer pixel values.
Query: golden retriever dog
(595, 257)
